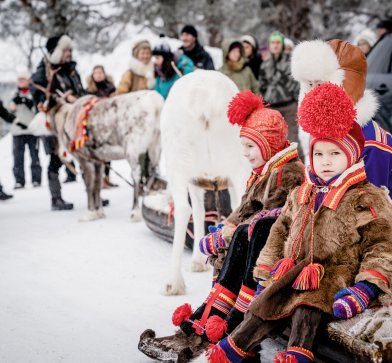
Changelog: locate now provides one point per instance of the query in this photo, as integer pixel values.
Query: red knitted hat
(266, 127)
(327, 113)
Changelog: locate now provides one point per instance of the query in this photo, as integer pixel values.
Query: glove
(261, 285)
(211, 242)
(23, 100)
(354, 300)
(263, 214)
(22, 125)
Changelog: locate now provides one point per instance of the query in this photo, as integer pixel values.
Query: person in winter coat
(251, 51)
(339, 62)
(330, 251)
(9, 118)
(276, 171)
(66, 79)
(140, 75)
(101, 85)
(235, 67)
(22, 105)
(169, 67)
(365, 40)
(280, 90)
(193, 49)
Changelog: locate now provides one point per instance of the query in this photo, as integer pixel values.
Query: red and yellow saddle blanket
(81, 132)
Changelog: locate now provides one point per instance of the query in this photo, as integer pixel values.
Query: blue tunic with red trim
(377, 155)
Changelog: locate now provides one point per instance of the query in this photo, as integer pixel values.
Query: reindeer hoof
(136, 216)
(174, 288)
(90, 215)
(100, 213)
(199, 266)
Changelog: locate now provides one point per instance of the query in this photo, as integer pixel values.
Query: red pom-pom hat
(264, 126)
(327, 113)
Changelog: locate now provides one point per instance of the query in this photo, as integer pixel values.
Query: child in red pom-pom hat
(330, 251)
(276, 170)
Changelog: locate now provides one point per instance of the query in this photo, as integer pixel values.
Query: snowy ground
(80, 292)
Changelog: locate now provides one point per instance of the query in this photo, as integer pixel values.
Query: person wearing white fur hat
(22, 106)
(365, 40)
(339, 62)
(66, 79)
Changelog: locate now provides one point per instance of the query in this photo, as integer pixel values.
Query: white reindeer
(198, 143)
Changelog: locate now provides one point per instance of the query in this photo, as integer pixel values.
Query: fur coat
(353, 243)
(138, 77)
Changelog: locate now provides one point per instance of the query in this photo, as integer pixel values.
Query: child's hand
(354, 300)
(211, 242)
(12, 106)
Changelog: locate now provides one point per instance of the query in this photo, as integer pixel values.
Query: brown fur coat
(348, 242)
(272, 191)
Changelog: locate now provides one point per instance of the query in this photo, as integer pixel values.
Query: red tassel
(281, 268)
(215, 328)
(182, 313)
(310, 277)
(215, 354)
(283, 357)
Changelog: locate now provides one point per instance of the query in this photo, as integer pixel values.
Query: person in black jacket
(66, 79)
(9, 118)
(194, 50)
(251, 50)
(101, 85)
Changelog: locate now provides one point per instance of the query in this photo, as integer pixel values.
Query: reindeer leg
(98, 171)
(136, 175)
(88, 172)
(182, 212)
(236, 190)
(198, 213)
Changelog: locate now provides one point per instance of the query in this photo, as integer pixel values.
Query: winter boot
(222, 296)
(60, 204)
(216, 327)
(4, 196)
(174, 348)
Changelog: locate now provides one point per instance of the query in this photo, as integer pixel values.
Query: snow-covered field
(80, 292)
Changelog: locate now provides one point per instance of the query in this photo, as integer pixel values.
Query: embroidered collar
(278, 160)
(335, 190)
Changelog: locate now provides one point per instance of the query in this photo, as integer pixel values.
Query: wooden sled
(157, 212)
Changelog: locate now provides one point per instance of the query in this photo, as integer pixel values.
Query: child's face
(158, 59)
(23, 82)
(144, 55)
(328, 160)
(252, 152)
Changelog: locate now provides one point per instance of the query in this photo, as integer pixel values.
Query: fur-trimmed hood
(317, 61)
(65, 42)
(143, 70)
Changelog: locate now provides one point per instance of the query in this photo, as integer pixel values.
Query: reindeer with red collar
(98, 131)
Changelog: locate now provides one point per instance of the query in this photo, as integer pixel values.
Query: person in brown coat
(276, 171)
(330, 251)
(140, 75)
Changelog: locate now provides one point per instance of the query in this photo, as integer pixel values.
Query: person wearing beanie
(235, 66)
(22, 106)
(169, 67)
(341, 63)
(251, 51)
(365, 40)
(276, 170)
(383, 27)
(329, 253)
(277, 85)
(66, 79)
(140, 75)
(192, 48)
